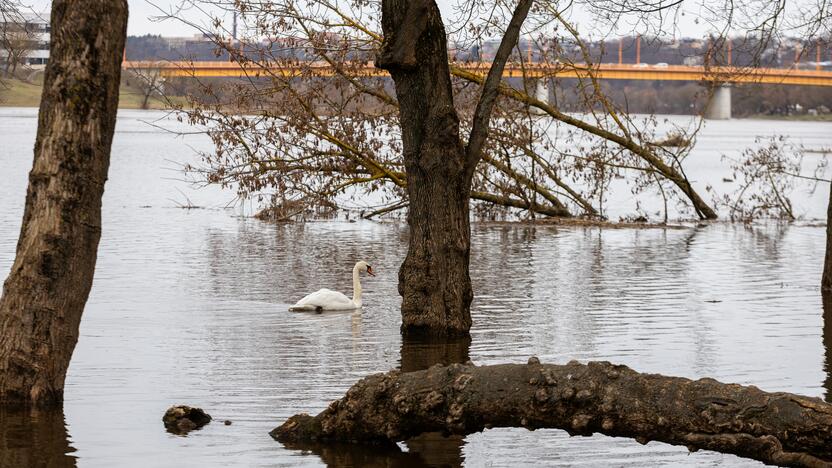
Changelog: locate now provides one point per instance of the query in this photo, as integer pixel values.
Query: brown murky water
(190, 306)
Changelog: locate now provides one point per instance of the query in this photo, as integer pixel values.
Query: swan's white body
(327, 299)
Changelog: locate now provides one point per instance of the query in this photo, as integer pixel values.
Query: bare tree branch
(482, 115)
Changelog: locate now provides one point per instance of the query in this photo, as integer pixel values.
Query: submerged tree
(433, 280)
(323, 127)
(309, 126)
(766, 176)
(45, 293)
(315, 144)
(430, 147)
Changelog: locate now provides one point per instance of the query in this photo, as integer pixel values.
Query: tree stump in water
(183, 419)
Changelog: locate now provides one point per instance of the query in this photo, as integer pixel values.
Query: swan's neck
(356, 287)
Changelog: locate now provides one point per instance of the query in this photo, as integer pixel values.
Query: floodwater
(190, 306)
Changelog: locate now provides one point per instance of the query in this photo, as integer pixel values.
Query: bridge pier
(541, 89)
(541, 93)
(719, 107)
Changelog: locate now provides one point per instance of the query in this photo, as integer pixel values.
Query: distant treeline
(718, 51)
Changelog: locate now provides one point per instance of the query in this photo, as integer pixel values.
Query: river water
(190, 306)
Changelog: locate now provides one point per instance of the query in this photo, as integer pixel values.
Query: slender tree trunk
(433, 280)
(827, 344)
(46, 291)
(775, 428)
(826, 279)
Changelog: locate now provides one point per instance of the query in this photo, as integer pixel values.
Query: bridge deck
(605, 71)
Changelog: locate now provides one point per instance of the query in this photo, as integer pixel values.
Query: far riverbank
(20, 93)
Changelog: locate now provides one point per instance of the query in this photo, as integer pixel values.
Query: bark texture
(52, 274)
(599, 397)
(826, 280)
(433, 280)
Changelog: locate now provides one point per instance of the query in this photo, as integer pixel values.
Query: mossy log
(582, 399)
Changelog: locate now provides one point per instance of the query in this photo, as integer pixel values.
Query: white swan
(326, 299)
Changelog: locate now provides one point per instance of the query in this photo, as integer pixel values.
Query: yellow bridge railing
(604, 71)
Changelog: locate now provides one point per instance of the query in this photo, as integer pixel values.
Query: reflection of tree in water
(364, 456)
(419, 353)
(34, 438)
(428, 449)
(827, 344)
(766, 241)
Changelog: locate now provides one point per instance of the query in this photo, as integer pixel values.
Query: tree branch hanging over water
(347, 122)
(599, 397)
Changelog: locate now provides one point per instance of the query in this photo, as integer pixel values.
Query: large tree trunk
(46, 291)
(826, 279)
(433, 280)
(775, 428)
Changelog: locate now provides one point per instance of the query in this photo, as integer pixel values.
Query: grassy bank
(19, 93)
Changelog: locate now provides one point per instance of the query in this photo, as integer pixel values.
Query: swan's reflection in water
(34, 438)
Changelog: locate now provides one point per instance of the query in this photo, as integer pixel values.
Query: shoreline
(577, 222)
(20, 93)
(826, 118)
(25, 94)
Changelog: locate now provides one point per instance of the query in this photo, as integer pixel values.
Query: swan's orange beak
(370, 271)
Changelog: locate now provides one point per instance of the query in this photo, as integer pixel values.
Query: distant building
(693, 61)
(36, 31)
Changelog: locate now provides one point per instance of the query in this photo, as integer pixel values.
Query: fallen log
(582, 399)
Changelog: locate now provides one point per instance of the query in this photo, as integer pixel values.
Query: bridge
(721, 76)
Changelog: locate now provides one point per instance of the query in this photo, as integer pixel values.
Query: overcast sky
(144, 16)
